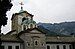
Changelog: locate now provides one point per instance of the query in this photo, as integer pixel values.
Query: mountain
(64, 28)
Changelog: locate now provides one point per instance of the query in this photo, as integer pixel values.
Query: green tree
(5, 5)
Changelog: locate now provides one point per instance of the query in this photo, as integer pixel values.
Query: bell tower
(22, 20)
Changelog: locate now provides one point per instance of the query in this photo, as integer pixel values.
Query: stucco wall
(54, 46)
(6, 44)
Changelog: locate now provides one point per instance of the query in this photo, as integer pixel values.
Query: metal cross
(21, 5)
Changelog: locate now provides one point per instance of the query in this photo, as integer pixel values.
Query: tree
(5, 5)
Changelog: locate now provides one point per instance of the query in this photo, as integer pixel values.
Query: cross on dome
(21, 5)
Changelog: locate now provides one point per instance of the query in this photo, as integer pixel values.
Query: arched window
(36, 43)
(64, 46)
(31, 25)
(57, 46)
(24, 27)
(70, 47)
(42, 44)
(48, 47)
(28, 44)
(23, 19)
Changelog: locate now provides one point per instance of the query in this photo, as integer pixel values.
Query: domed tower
(22, 21)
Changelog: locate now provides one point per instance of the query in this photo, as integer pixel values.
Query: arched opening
(36, 43)
(48, 47)
(28, 44)
(23, 19)
(64, 46)
(24, 27)
(57, 46)
(31, 25)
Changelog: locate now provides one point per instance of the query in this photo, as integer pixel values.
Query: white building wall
(54, 46)
(67, 46)
(6, 44)
(61, 46)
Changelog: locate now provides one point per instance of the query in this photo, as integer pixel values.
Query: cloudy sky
(46, 11)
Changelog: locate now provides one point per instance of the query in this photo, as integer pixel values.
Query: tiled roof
(10, 38)
(21, 13)
(60, 39)
(10, 32)
(28, 31)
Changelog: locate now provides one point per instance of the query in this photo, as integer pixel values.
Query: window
(23, 19)
(28, 44)
(24, 27)
(36, 43)
(57, 46)
(17, 47)
(42, 44)
(31, 25)
(64, 46)
(48, 47)
(2, 47)
(69, 46)
(9, 47)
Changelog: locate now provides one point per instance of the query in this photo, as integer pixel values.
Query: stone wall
(30, 38)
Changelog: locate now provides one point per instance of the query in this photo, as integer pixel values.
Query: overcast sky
(46, 11)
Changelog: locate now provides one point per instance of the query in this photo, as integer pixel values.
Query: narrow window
(36, 43)
(28, 44)
(24, 27)
(16, 47)
(42, 44)
(9, 47)
(57, 46)
(31, 25)
(64, 46)
(2, 47)
(23, 19)
(69, 46)
(48, 47)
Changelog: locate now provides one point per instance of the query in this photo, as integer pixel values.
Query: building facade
(25, 34)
